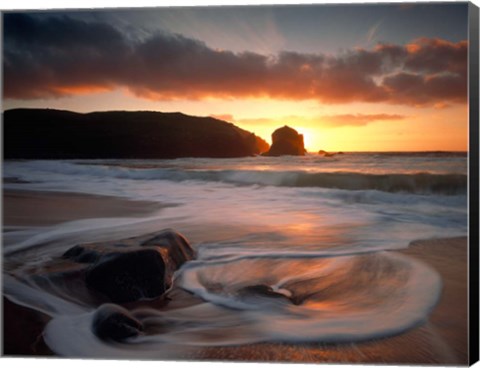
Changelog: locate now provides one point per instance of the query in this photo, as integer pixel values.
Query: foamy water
(313, 229)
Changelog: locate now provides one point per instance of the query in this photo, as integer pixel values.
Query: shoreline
(442, 339)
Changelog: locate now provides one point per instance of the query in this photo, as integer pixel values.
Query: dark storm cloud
(42, 58)
(55, 56)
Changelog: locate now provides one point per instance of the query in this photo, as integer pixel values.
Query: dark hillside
(54, 134)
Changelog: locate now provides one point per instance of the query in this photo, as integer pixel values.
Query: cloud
(49, 56)
(356, 119)
(325, 121)
(224, 117)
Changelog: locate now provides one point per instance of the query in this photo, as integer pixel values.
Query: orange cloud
(357, 119)
(224, 117)
(327, 121)
(61, 56)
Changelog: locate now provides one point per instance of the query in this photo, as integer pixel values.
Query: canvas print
(248, 183)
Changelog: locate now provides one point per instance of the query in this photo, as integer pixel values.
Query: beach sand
(35, 208)
(442, 339)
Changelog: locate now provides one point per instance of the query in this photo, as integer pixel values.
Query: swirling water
(317, 231)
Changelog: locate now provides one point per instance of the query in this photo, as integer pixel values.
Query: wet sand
(35, 208)
(442, 339)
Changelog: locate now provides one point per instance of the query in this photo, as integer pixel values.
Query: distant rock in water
(326, 154)
(55, 134)
(132, 269)
(112, 322)
(286, 141)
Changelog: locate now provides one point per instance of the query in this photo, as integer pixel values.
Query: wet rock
(178, 248)
(112, 322)
(261, 290)
(23, 330)
(130, 276)
(81, 254)
(134, 268)
(286, 141)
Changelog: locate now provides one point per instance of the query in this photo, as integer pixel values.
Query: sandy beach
(442, 339)
(35, 208)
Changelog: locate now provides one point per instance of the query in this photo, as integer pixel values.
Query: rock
(130, 276)
(260, 290)
(325, 153)
(81, 254)
(23, 330)
(265, 291)
(112, 322)
(286, 141)
(261, 145)
(131, 269)
(178, 248)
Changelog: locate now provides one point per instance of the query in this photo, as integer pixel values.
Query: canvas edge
(473, 184)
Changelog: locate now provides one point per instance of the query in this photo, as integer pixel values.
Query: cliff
(55, 134)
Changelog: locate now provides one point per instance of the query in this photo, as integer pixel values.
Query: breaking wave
(286, 297)
(417, 183)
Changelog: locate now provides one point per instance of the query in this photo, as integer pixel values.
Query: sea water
(318, 230)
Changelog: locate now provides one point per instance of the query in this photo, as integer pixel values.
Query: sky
(377, 77)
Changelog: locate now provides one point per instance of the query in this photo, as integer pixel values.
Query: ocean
(318, 230)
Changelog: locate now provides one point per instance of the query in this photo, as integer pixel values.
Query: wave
(287, 298)
(325, 299)
(420, 183)
(417, 183)
(290, 299)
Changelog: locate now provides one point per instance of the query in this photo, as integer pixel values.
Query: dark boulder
(126, 277)
(132, 269)
(81, 254)
(177, 247)
(286, 141)
(112, 322)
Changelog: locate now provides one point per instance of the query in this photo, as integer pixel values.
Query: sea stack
(286, 141)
